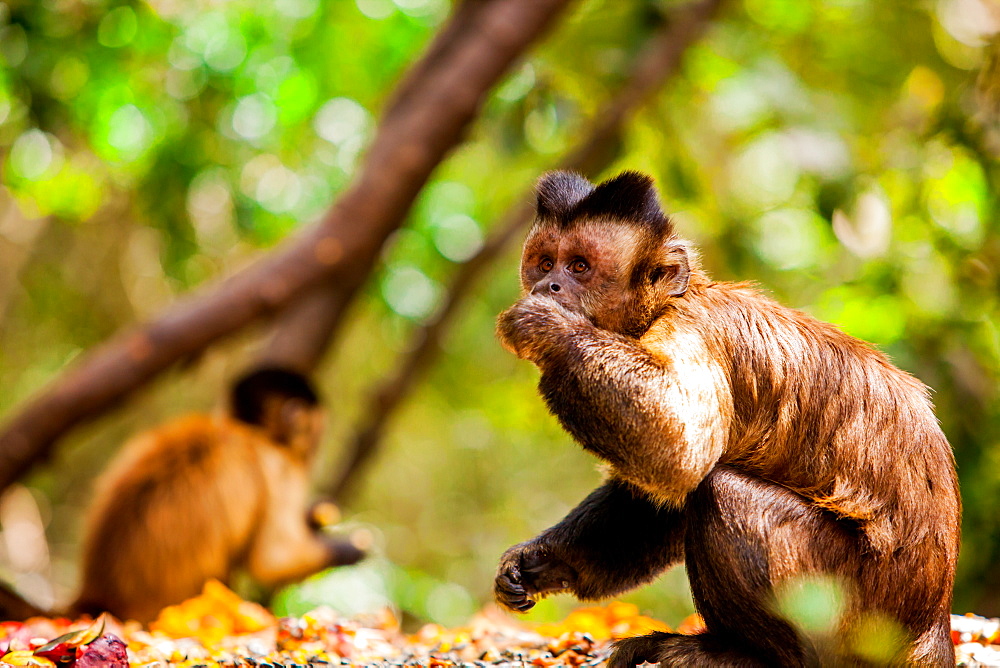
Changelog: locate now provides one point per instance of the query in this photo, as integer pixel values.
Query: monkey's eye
(546, 265)
(579, 266)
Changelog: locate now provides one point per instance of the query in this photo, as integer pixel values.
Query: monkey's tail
(14, 607)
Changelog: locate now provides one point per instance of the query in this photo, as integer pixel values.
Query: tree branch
(409, 144)
(659, 60)
(306, 328)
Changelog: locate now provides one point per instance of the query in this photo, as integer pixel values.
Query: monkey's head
(605, 251)
(282, 403)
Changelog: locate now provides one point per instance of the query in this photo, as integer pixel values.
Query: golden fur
(192, 500)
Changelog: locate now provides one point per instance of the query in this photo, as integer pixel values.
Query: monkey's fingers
(510, 593)
(507, 331)
(528, 604)
(345, 552)
(508, 587)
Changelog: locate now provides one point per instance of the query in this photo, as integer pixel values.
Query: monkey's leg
(746, 535)
(615, 540)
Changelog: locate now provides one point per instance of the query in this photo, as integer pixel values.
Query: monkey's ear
(630, 196)
(673, 272)
(560, 192)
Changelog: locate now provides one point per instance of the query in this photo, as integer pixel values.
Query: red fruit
(108, 651)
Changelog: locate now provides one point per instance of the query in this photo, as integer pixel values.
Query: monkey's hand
(344, 552)
(527, 571)
(535, 324)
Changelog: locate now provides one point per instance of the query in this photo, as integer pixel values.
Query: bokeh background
(842, 153)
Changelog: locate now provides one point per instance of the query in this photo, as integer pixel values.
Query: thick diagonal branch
(657, 62)
(409, 144)
(306, 328)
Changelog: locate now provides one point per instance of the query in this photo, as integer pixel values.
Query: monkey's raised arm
(653, 408)
(614, 541)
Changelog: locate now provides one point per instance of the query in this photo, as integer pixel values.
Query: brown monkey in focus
(747, 439)
(204, 495)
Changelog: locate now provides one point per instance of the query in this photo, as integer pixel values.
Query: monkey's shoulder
(743, 315)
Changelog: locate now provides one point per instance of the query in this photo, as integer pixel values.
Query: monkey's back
(832, 419)
(821, 411)
(176, 507)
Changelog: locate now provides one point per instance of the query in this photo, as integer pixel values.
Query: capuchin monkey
(203, 496)
(746, 439)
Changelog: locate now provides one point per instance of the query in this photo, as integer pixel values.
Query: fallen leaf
(23, 657)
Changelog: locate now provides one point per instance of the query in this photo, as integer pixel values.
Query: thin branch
(659, 61)
(342, 247)
(306, 328)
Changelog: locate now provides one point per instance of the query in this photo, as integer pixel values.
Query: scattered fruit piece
(691, 625)
(108, 651)
(214, 614)
(322, 637)
(611, 622)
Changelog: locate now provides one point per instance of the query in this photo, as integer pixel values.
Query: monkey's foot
(632, 652)
(670, 650)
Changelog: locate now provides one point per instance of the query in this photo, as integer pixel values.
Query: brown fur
(771, 445)
(196, 499)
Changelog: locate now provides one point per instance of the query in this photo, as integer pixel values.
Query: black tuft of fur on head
(559, 193)
(250, 392)
(629, 197)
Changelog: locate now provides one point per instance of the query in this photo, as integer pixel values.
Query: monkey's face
(607, 252)
(587, 267)
(307, 426)
(293, 423)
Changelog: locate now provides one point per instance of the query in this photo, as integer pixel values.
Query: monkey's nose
(555, 287)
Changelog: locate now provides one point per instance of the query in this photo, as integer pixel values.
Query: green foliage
(828, 149)
(815, 602)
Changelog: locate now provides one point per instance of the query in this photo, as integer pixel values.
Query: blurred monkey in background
(206, 495)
